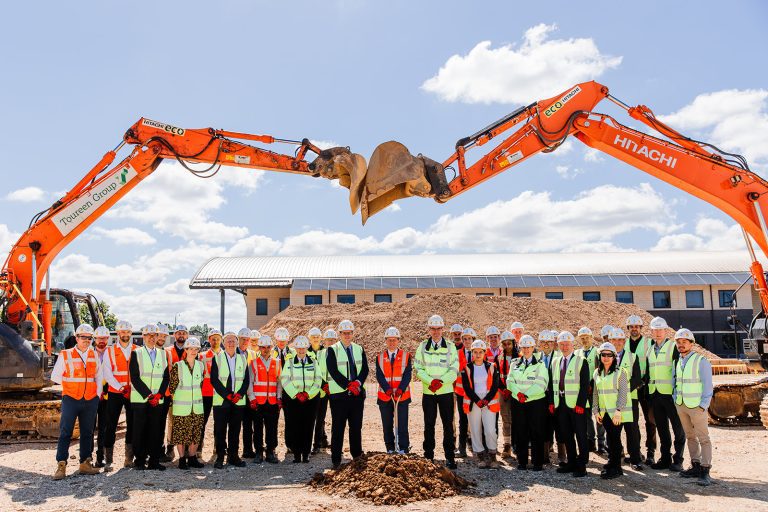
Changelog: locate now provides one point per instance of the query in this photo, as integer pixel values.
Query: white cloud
(394, 207)
(538, 68)
(710, 235)
(26, 195)
(7, 239)
(327, 243)
(126, 236)
(325, 144)
(254, 245)
(734, 120)
(567, 172)
(592, 155)
(596, 247)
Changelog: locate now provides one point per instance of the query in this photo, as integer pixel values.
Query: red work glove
(253, 404)
(578, 409)
(126, 392)
(388, 392)
(398, 393)
(236, 398)
(482, 403)
(552, 409)
(230, 397)
(301, 397)
(507, 394)
(154, 400)
(435, 385)
(521, 398)
(326, 389)
(354, 388)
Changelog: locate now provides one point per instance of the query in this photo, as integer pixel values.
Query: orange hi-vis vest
(490, 356)
(207, 359)
(266, 379)
(504, 366)
(119, 365)
(170, 354)
(493, 405)
(458, 385)
(394, 373)
(78, 379)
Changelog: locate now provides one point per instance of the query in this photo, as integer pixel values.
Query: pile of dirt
(391, 479)
(410, 316)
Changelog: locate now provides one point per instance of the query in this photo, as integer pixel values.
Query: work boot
(493, 463)
(61, 470)
(193, 462)
(650, 460)
(692, 472)
(99, 459)
(451, 464)
(156, 466)
(219, 464)
(507, 452)
(704, 478)
(86, 468)
(259, 458)
(461, 453)
(482, 460)
(109, 455)
(128, 463)
(183, 463)
(601, 449)
(271, 457)
(676, 467)
(662, 463)
(236, 461)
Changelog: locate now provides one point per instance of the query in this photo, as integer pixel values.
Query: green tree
(110, 319)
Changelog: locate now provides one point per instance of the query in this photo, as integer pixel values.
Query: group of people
(549, 394)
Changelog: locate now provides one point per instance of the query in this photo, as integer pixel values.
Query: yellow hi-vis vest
(296, 377)
(150, 374)
(627, 363)
(688, 385)
(572, 380)
(608, 394)
(188, 397)
(441, 364)
(342, 364)
(223, 367)
(660, 369)
(531, 380)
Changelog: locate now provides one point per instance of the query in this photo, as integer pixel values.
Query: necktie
(563, 367)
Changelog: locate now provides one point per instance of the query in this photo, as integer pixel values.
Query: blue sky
(76, 76)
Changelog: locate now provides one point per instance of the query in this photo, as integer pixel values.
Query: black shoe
(460, 454)
(692, 472)
(662, 463)
(315, 450)
(610, 474)
(562, 464)
(183, 463)
(156, 467)
(593, 446)
(626, 460)
(580, 473)
(236, 462)
(601, 450)
(305, 458)
(704, 478)
(219, 464)
(566, 469)
(271, 458)
(451, 464)
(537, 468)
(258, 459)
(139, 467)
(650, 460)
(637, 467)
(676, 467)
(249, 454)
(193, 462)
(296, 459)
(522, 467)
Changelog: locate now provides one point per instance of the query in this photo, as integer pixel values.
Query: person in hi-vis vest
(481, 383)
(301, 381)
(393, 373)
(611, 405)
(186, 385)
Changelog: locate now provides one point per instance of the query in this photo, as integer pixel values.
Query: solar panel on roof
(463, 282)
(709, 278)
(389, 283)
(337, 284)
(531, 282)
(425, 282)
(443, 282)
(355, 284)
(478, 282)
(638, 280)
(302, 284)
(549, 281)
(621, 280)
(585, 280)
(691, 279)
(493, 281)
(656, 279)
(567, 280)
(373, 283)
(603, 280)
(319, 284)
(674, 279)
(408, 282)
(514, 281)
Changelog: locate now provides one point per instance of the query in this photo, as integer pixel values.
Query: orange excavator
(27, 408)
(719, 178)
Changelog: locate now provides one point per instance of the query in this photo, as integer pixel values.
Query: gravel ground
(740, 456)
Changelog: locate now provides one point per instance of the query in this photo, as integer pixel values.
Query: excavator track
(739, 399)
(31, 418)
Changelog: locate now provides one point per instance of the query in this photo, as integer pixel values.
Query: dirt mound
(390, 479)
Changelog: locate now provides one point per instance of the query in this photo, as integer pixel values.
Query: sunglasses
(83, 337)
(607, 354)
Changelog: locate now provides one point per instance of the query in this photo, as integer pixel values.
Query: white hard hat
(546, 335)
(658, 323)
(584, 331)
(181, 328)
(192, 342)
(606, 330)
(435, 321)
(392, 332)
(564, 336)
(516, 325)
(255, 334)
(607, 346)
(149, 329)
(490, 331)
(214, 332)
(244, 333)
(230, 333)
(478, 344)
(507, 336)
(282, 334)
(526, 341)
(346, 325)
(84, 329)
(163, 329)
(123, 325)
(685, 334)
(457, 328)
(101, 332)
(315, 332)
(330, 334)
(634, 320)
(468, 331)
(301, 342)
(264, 341)
(616, 334)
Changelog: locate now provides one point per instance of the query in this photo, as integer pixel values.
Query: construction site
(531, 345)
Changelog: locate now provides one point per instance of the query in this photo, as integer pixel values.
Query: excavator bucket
(347, 167)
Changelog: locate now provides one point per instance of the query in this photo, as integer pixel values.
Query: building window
(728, 341)
(726, 298)
(382, 297)
(345, 299)
(261, 307)
(483, 294)
(661, 300)
(591, 296)
(409, 295)
(313, 300)
(525, 295)
(284, 302)
(553, 295)
(625, 297)
(694, 298)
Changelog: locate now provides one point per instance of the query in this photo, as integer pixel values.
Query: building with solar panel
(698, 290)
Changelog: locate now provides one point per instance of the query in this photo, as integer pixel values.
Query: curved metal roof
(472, 270)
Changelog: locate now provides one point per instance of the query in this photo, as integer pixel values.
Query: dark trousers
(115, 405)
(613, 434)
(463, 422)
(84, 411)
(101, 425)
(431, 405)
(248, 432)
(632, 429)
(321, 438)
(346, 409)
(301, 417)
(650, 421)
(528, 420)
(387, 411)
(207, 406)
(573, 432)
(227, 419)
(148, 431)
(265, 428)
(665, 412)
